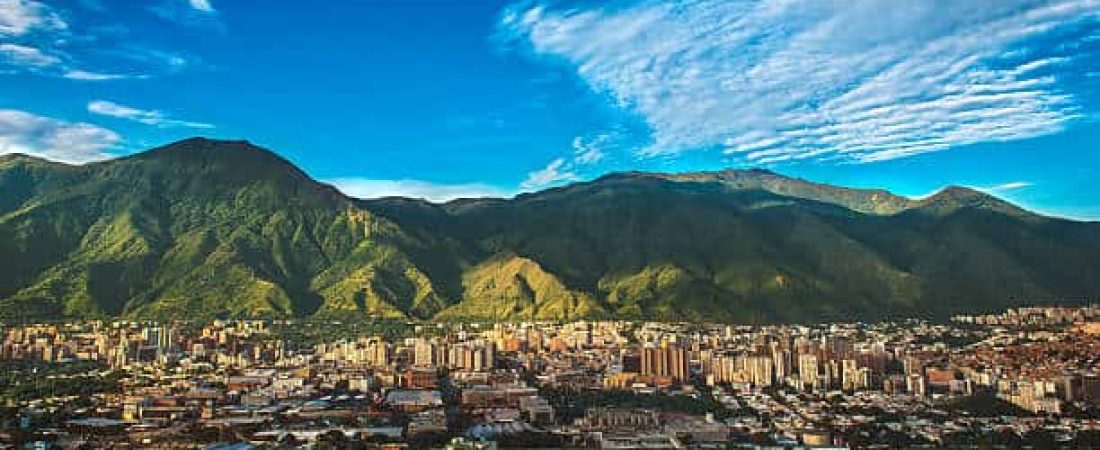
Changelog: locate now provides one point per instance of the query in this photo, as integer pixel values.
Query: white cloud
(778, 80)
(588, 151)
(35, 38)
(148, 117)
(435, 192)
(191, 13)
(24, 21)
(1010, 186)
(84, 75)
(557, 172)
(25, 56)
(202, 5)
(23, 132)
(593, 148)
(166, 61)
(19, 17)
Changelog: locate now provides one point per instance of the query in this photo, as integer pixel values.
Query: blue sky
(441, 99)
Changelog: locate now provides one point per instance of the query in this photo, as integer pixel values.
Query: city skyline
(494, 98)
(1023, 376)
(621, 224)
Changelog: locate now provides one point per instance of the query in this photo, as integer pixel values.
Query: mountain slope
(197, 228)
(868, 201)
(696, 247)
(204, 228)
(508, 286)
(649, 247)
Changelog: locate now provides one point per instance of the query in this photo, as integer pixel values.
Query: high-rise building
(854, 377)
(424, 353)
(759, 370)
(808, 370)
(378, 353)
(915, 385)
(666, 361)
(782, 361)
(679, 363)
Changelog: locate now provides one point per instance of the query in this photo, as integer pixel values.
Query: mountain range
(203, 228)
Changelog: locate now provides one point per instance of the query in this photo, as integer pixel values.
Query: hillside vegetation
(203, 228)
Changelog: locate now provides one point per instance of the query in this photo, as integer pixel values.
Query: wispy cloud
(19, 17)
(147, 117)
(202, 5)
(1010, 186)
(84, 75)
(589, 150)
(50, 41)
(555, 173)
(158, 60)
(20, 20)
(1005, 187)
(23, 132)
(37, 40)
(779, 80)
(26, 56)
(435, 192)
(192, 13)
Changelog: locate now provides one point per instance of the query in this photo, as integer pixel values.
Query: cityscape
(1025, 376)
(547, 224)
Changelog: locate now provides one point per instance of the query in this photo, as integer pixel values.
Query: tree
(289, 441)
(1040, 438)
(332, 439)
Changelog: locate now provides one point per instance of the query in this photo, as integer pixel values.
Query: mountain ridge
(743, 179)
(188, 147)
(206, 228)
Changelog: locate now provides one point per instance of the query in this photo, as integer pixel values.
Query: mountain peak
(959, 193)
(235, 157)
(212, 167)
(198, 146)
(953, 198)
(14, 158)
(957, 196)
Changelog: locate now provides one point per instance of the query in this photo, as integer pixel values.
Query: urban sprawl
(1027, 376)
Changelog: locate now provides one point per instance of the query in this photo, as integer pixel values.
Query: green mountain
(204, 228)
(198, 228)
